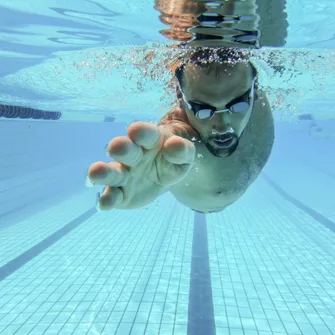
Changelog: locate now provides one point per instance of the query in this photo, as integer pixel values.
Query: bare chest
(215, 183)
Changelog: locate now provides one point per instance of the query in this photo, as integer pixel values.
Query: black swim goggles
(204, 111)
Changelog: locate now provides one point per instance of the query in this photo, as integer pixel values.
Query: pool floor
(262, 267)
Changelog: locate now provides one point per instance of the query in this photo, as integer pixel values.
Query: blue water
(264, 266)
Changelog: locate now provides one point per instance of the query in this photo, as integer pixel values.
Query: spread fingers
(111, 197)
(113, 174)
(123, 150)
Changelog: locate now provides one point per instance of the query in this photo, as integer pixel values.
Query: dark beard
(222, 152)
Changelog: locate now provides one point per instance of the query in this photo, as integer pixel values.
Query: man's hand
(148, 161)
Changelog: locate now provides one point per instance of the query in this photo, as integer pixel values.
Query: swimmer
(206, 152)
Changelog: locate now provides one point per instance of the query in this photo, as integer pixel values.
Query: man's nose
(221, 126)
(222, 131)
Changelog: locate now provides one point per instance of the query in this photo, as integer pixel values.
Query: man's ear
(179, 97)
(179, 94)
(256, 90)
(256, 95)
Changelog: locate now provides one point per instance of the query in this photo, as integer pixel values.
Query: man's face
(220, 134)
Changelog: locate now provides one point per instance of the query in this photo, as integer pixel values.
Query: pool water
(264, 266)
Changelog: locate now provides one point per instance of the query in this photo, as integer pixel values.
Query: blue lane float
(18, 112)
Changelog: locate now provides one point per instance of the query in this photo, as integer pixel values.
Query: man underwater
(206, 152)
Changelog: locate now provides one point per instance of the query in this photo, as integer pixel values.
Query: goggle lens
(239, 107)
(204, 113)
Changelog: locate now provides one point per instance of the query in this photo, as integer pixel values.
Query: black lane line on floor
(313, 213)
(322, 170)
(200, 307)
(28, 255)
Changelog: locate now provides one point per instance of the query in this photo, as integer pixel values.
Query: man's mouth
(225, 142)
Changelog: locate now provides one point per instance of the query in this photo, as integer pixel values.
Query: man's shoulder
(179, 124)
(258, 138)
(177, 115)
